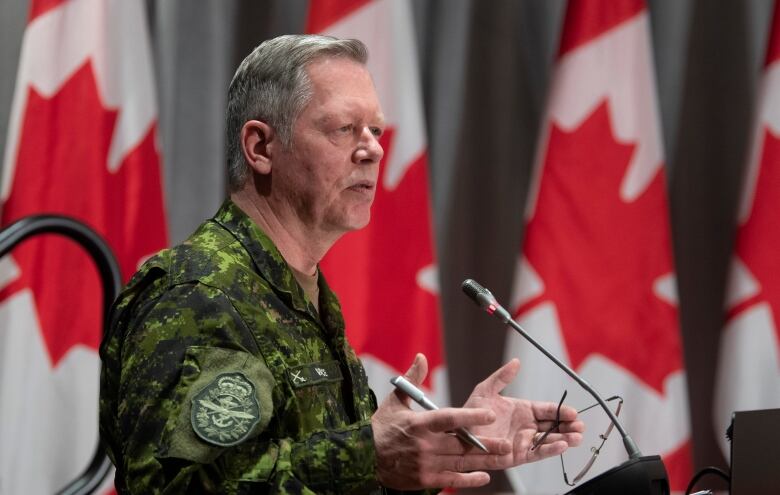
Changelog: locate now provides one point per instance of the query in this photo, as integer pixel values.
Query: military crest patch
(226, 410)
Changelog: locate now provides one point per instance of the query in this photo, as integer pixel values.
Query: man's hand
(415, 451)
(519, 421)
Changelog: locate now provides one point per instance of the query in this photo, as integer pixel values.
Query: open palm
(519, 420)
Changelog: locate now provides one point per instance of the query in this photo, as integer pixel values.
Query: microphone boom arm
(485, 299)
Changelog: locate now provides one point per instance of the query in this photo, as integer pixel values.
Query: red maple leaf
(40, 7)
(679, 466)
(324, 13)
(599, 255)
(374, 271)
(62, 169)
(759, 238)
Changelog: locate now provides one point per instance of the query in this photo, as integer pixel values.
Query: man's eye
(346, 128)
(377, 131)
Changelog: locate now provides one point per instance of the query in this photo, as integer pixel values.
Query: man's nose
(369, 150)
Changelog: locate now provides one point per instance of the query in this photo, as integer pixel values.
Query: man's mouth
(363, 186)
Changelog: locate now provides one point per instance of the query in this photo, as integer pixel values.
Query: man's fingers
(500, 378)
(568, 413)
(548, 450)
(448, 444)
(448, 419)
(572, 427)
(450, 479)
(473, 462)
(549, 411)
(571, 439)
(563, 427)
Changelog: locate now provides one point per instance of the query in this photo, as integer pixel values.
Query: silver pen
(419, 397)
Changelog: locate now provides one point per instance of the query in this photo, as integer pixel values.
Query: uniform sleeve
(195, 404)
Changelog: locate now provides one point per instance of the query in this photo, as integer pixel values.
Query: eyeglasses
(595, 450)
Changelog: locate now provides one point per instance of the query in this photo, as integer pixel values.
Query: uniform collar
(273, 268)
(330, 308)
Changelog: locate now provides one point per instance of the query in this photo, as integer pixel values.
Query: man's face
(329, 175)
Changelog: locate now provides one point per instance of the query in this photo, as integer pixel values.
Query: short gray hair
(271, 85)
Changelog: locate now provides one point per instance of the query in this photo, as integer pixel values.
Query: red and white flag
(82, 143)
(748, 373)
(595, 281)
(385, 274)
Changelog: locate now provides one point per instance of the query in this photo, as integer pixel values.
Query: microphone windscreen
(480, 295)
(471, 288)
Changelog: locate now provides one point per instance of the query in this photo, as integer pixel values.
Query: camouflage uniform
(220, 376)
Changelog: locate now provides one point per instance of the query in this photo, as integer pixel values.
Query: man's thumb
(418, 370)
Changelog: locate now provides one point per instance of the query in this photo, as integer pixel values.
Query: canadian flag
(385, 274)
(595, 281)
(748, 373)
(82, 143)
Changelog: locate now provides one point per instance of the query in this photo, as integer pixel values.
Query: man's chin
(358, 221)
(361, 223)
(350, 220)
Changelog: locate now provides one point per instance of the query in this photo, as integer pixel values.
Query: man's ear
(257, 142)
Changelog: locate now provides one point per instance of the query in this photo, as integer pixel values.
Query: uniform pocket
(319, 400)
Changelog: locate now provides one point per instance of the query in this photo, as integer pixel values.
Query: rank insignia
(226, 411)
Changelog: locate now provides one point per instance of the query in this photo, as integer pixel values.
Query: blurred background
(485, 69)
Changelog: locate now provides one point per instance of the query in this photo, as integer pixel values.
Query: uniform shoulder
(208, 257)
(211, 256)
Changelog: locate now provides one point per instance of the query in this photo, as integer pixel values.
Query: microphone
(621, 479)
(484, 299)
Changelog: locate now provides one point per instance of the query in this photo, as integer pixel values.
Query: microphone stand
(639, 475)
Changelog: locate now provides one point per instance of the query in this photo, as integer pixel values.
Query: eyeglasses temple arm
(629, 444)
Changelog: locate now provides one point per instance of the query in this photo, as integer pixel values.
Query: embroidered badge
(226, 410)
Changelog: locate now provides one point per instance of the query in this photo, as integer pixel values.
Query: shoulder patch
(226, 410)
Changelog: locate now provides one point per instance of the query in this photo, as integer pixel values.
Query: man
(227, 369)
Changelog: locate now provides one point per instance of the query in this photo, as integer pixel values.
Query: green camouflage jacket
(220, 377)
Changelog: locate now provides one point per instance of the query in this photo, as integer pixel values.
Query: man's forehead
(353, 109)
(342, 85)
(323, 69)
